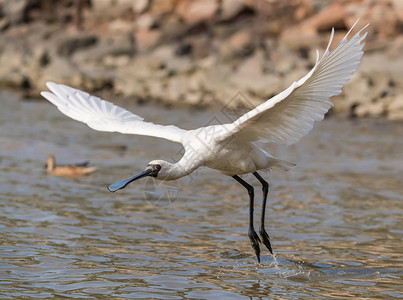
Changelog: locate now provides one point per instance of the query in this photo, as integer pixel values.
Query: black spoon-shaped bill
(122, 184)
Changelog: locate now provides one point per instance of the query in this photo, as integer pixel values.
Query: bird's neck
(50, 164)
(179, 169)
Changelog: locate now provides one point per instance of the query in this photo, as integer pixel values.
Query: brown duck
(67, 170)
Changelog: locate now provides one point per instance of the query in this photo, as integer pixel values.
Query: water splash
(284, 273)
(276, 266)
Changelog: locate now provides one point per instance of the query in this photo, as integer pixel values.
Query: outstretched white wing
(290, 115)
(104, 116)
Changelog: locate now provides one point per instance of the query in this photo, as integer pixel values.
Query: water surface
(335, 220)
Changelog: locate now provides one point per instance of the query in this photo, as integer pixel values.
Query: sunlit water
(335, 220)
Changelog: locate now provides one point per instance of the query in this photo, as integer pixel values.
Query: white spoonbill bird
(229, 148)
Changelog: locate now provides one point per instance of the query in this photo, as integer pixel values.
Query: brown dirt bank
(199, 52)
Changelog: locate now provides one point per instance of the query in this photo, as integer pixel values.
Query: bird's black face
(150, 170)
(154, 169)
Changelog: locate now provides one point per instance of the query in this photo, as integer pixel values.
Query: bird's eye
(158, 167)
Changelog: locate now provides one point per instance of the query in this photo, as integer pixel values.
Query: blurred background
(335, 221)
(199, 52)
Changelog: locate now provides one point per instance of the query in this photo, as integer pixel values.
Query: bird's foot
(255, 240)
(265, 239)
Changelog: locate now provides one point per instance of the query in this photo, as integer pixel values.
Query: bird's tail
(282, 164)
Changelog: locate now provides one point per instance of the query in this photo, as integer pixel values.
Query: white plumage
(229, 148)
(290, 115)
(102, 115)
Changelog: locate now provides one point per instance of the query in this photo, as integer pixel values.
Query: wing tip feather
(51, 85)
(352, 27)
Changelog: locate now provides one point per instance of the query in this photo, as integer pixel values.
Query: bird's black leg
(262, 230)
(254, 238)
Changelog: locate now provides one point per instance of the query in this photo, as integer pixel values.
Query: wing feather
(102, 115)
(288, 116)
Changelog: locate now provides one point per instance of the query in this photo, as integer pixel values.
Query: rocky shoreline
(201, 52)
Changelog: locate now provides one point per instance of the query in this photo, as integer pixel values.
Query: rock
(140, 6)
(16, 10)
(164, 53)
(304, 34)
(155, 89)
(200, 46)
(332, 16)
(249, 3)
(163, 7)
(196, 11)
(166, 58)
(120, 26)
(304, 10)
(201, 52)
(146, 39)
(379, 85)
(95, 78)
(213, 79)
(231, 8)
(173, 28)
(183, 49)
(396, 49)
(176, 88)
(378, 67)
(125, 86)
(193, 98)
(131, 78)
(251, 67)
(294, 75)
(104, 52)
(395, 108)
(398, 4)
(141, 78)
(273, 29)
(373, 109)
(356, 92)
(109, 9)
(4, 23)
(296, 39)
(384, 18)
(116, 61)
(179, 65)
(145, 22)
(11, 71)
(69, 44)
(59, 69)
(195, 81)
(283, 60)
(240, 43)
(40, 59)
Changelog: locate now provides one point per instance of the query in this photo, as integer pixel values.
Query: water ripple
(334, 221)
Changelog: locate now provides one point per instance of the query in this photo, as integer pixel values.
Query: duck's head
(50, 163)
